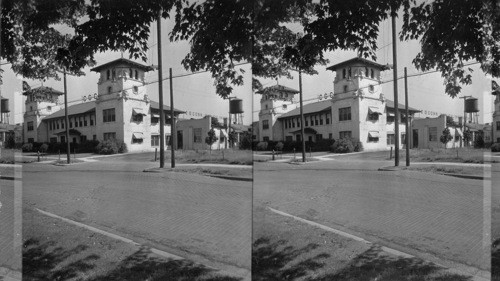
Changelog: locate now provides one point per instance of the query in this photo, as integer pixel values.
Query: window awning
(138, 111)
(138, 136)
(373, 134)
(154, 115)
(374, 109)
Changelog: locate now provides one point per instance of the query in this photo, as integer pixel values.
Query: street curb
(464, 176)
(472, 177)
(229, 177)
(390, 168)
(9, 178)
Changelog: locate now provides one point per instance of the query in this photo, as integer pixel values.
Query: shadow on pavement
(40, 263)
(277, 261)
(495, 261)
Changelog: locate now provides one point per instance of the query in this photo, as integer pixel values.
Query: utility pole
(160, 95)
(302, 119)
(407, 121)
(395, 73)
(66, 119)
(173, 133)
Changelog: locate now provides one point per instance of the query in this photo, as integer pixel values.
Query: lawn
(456, 155)
(229, 156)
(447, 169)
(463, 155)
(7, 156)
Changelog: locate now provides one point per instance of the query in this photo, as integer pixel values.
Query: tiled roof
(156, 105)
(390, 104)
(309, 108)
(90, 106)
(326, 105)
(360, 61)
(122, 61)
(74, 110)
(277, 88)
(43, 90)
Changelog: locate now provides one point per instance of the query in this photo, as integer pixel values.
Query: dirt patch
(216, 171)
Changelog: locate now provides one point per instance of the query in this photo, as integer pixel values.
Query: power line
(382, 82)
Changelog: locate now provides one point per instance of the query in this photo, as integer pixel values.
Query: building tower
(275, 101)
(40, 103)
(496, 114)
(122, 104)
(358, 105)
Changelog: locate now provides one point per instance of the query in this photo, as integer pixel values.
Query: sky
(193, 94)
(426, 92)
(196, 93)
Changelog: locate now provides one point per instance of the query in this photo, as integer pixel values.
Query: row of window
(80, 121)
(348, 73)
(309, 120)
(111, 74)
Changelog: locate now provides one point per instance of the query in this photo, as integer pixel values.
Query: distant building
(191, 134)
(120, 110)
(496, 113)
(427, 133)
(356, 109)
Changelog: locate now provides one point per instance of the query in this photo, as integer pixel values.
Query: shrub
(279, 146)
(358, 146)
(495, 147)
(44, 147)
(107, 147)
(27, 147)
(88, 146)
(479, 141)
(246, 141)
(122, 147)
(322, 145)
(262, 146)
(10, 142)
(344, 145)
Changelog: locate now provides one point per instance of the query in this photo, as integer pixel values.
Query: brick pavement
(194, 214)
(10, 248)
(420, 211)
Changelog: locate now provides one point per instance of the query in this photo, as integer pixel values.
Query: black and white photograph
(238, 140)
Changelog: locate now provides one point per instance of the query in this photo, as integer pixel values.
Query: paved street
(204, 219)
(420, 213)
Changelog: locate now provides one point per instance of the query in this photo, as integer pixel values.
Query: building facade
(120, 110)
(355, 109)
(496, 116)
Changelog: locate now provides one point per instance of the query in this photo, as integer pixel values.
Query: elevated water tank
(471, 105)
(4, 105)
(235, 106)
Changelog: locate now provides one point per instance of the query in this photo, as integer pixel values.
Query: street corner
(157, 170)
(391, 168)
